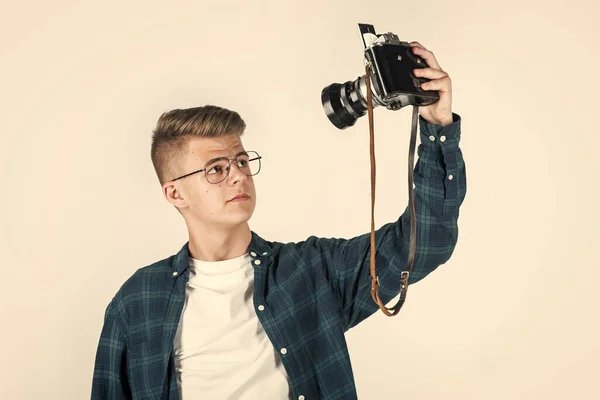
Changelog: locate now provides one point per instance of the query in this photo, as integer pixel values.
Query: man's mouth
(240, 197)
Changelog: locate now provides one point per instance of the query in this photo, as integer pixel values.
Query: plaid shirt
(311, 292)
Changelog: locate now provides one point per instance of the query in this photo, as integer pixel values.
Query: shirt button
(432, 138)
(174, 273)
(450, 177)
(283, 351)
(261, 307)
(300, 397)
(253, 254)
(257, 262)
(442, 138)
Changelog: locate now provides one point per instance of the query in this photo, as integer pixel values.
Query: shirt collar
(258, 247)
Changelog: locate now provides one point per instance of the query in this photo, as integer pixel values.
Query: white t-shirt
(221, 349)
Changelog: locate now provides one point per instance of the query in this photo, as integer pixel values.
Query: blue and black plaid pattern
(306, 294)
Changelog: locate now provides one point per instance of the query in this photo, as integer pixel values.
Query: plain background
(512, 315)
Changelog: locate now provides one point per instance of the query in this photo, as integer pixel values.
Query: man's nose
(235, 173)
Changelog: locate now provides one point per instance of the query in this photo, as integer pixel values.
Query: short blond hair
(175, 128)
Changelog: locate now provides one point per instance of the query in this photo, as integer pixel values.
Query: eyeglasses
(217, 169)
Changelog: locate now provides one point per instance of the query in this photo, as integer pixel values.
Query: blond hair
(175, 128)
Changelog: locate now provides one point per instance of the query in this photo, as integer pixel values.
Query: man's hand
(441, 111)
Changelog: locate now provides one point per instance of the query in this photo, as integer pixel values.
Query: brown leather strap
(413, 225)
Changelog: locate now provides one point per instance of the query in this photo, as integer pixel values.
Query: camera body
(394, 84)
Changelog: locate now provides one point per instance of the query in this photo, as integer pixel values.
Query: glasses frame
(229, 160)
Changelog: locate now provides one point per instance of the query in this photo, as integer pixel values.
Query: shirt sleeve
(440, 188)
(110, 370)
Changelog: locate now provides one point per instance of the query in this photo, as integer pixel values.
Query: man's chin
(239, 217)
(227, 218)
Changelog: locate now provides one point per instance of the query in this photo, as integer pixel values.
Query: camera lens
(343, 103)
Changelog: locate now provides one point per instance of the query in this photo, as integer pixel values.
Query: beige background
(512, 315)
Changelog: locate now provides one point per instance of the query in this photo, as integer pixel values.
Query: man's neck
(209, 244)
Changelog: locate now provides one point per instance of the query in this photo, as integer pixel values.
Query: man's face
(208, 203)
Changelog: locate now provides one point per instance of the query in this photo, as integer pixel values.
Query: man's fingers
(415, 43)
(443, 85)
(429, 73)
(426, 55)
(439, 79)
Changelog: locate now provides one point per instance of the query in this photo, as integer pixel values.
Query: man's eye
(215, 170)
(242, 163)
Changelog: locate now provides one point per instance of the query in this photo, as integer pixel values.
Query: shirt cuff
(433, 136)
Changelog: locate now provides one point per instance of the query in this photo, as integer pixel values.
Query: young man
(234, 316)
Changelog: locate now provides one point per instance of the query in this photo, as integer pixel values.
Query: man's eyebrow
(218, 158)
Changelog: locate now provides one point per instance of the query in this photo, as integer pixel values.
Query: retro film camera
(388, 81)
(393, 83)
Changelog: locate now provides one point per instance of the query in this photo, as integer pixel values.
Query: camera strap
(413, 224)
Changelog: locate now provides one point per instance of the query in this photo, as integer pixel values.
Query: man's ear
(173, 194)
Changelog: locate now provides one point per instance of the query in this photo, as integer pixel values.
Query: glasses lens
(217, 171)
(247, 163)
